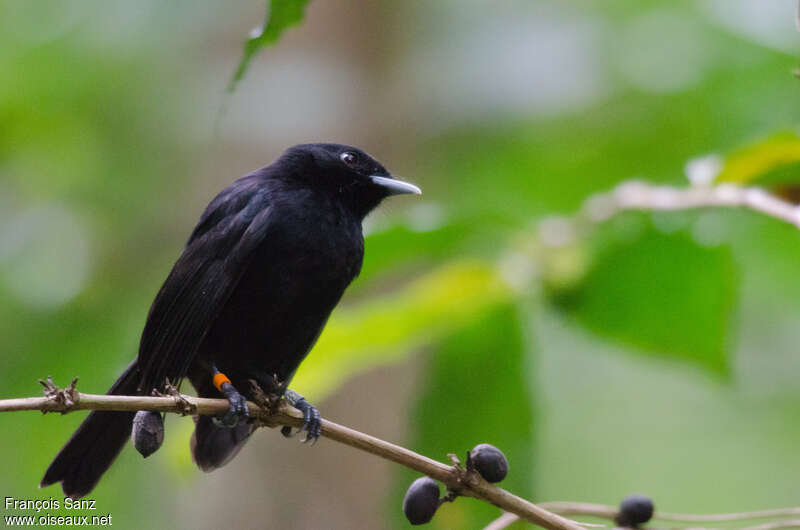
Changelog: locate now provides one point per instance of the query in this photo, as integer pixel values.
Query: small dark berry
(148, 432)
(421, 500)
(490, 462)
(635, 510)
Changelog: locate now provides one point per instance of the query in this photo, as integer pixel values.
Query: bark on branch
(602, 511)
(455, 477)
(640, 195)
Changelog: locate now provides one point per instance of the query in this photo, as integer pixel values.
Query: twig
(507, 519)
(638, 195)
(502, 522)
(603, 511)
(721, 517)
(635, 195)
(456, 478)
(791, 523)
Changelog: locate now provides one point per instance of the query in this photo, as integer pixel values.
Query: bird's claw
(237, 408)
(312, 421)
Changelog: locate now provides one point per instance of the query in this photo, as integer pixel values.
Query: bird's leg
(312, 421)
(237, 409)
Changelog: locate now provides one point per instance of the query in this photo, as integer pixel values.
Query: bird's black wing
(201, 282)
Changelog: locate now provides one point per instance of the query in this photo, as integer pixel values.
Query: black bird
(269, 259)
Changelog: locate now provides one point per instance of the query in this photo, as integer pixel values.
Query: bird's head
(348, 173)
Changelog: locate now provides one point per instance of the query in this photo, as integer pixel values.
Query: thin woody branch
(455, 477)
(603, 511)
(640, 195)
(636, 195)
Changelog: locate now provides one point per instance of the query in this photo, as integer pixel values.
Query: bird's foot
(267, 391)
(312, 421)
(237, 404)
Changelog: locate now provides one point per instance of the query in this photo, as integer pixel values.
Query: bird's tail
(94, 446)
(214, 446)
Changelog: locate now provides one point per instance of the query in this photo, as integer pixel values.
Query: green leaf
(399, 248)
(661, 293)
(386, 328)
(281, 14)
(760, 163)
(478, 390)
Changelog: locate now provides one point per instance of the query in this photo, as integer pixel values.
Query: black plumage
(266, 264)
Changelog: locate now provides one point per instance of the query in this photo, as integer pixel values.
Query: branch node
(454, 460)
(451, 496)
(260, 397)
(270, 404)
(60, 400)
(183, 405)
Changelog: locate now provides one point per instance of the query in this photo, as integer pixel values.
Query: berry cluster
(422, 498)
(423, 495)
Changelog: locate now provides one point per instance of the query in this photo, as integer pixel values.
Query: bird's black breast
(297, 274)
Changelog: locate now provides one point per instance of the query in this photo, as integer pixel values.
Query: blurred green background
(655, 353)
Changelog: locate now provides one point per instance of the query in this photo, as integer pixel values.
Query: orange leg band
(219, 380)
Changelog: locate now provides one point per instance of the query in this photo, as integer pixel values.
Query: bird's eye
(348, 158)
